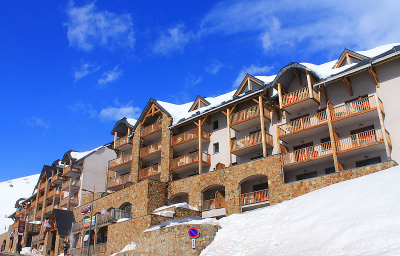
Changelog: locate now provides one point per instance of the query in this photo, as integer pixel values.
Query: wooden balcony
(254, 197)
(41, 199)
(123, 144)
(43, 185)
(150, 171)
(53, 192)
(38, 238)
(250, 144)
(307, 154)
(121, 163)
(65, 186)
(118, 182)
(212, 204)
(75, 185)
(93, 249)
(58, 179)
(301, 98)
(73, 201)
(359, 110)
(69, 171)
(49, 209)
(189, 138)
(184, 163)
(304, 126)
(151, 129)
(361, 140)
(100, 248)
(151, 152)
(38, 214)
(247, 118)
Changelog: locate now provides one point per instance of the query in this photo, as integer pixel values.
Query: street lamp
(91, 219)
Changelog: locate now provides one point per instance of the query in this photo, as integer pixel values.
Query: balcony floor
(311, 162)
(305, 133)
(125, 147)
(249, 149)
(151, 157)
(355, 118)
(189, 167)
(122, 167)
(254, 122)
(300, 106)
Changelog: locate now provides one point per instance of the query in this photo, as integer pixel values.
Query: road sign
(193, 232)
(193, 243)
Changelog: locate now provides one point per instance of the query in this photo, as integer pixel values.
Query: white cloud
(192, 80)
(309, 26)
(214, 67)
(252, 70)
(110, 76)
(37, 121)
(88, 28)
(81, 108)
(85, 69)
(174, 39)
(114, 113)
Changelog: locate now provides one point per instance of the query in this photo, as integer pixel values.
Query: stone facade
(166, 149)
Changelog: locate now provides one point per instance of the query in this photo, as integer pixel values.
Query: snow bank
(356, 217)
(122, 220)
(181, 205)
(185, 221)
(129, 247)
(165, 213)
(11, 191)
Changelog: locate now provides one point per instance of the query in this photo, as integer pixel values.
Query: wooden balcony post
(37, 199)
(385, 138)
(280, 94)
(115, 138)
(309, 82)
(332, 135)
(69, 194)
(200, 149)
(228, 121)
(278, 144)
(261, 106)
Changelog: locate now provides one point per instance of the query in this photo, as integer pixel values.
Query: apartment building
(272, 139)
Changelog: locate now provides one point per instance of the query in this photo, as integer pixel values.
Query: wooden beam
(264, 143)
(346, 81)
(332, 133)
(348, 59)
(279, 94)
(323, 91)
(115, 138)
(372, 71)
(200, 150)
(298, 77)
(224, 112)
(228, 121)
(309, 82)
(385, 137)
(249, 83)
(255, 100)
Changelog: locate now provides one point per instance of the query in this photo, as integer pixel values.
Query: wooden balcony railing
(69, 169)
(216, 203)
(122, 141)
(38, 238)
(303, 123)
(353, 108)
(150, 171)
(247, 114)
(251, 140)
(65, 186)
(49, 208)
(41, 199)
(308, 153)
(150, 149)
(120, 161)
(190, 135)
(254, 197)
(43, 185)
(57, 177)
(297, 96)
(284, 149)
(120, 180)
(189, 159)
(100, 248)
(76, 183)
(359, 140)
(38, 213)
(151, 128)
(102, 219)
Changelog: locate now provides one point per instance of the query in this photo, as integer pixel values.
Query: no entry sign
(193, 232)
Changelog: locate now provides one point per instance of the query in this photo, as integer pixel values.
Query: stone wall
(173, 241)
(87, 198)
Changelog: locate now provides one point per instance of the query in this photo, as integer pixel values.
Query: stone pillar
(136, 145)
(58, 248)
(166, 149)
(47, 242)
(37, 199)
(232, 198)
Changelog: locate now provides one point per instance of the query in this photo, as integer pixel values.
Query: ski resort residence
(270, 140)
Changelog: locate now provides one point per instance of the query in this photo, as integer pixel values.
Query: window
(309, 144)
(306, 175)
(364, 129)
(330, 170)
(299, 117)
(215, 125)
(370, 161)
(261, 186)
(323, 140)
(216, 147)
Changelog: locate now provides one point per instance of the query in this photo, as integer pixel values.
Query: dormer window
(200, 102)
(349, 57)
(249, 83)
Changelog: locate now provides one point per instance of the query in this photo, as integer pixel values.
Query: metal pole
(90, 226)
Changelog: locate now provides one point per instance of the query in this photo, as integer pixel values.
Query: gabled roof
(76, 156)
(244, 84)
(64, 220)
(287, 74)
(46, 171)
(348, 53)
(198, 101)
(121, 127)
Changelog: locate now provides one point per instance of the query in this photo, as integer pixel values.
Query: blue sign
(193, 232)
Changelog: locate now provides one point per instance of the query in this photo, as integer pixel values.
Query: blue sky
(70, 70)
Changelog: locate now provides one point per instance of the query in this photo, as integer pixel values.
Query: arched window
(126, 210)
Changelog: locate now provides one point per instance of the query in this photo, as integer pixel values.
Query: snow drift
(355, 217)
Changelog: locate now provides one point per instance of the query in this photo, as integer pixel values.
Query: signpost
(193, 233)
(21, 227)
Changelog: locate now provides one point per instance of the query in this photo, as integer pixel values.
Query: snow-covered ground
(355, 217)
(10, 192)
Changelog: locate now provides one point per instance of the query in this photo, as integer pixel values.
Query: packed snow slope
(355, 217)
(10, 192)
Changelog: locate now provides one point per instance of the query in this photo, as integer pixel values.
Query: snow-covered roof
(79, 155)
